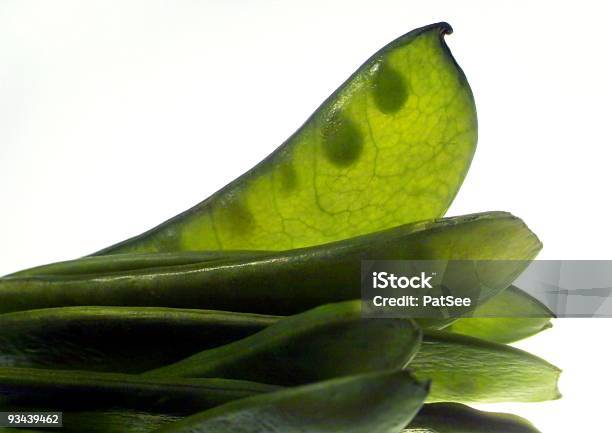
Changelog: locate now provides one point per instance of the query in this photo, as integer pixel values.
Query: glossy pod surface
(23, 389)
(328, 341)
(390, 146)
(382, 402)
(458, 418)
(292, 281)
(118, 339)
(132, 404)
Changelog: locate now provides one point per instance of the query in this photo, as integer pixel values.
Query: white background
(117, 115)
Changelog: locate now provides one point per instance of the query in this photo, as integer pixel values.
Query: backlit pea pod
(381, 402)
(391, 398)
(328, 341)
(292, 281)
(508, 317)
(390, 146)
(26, 389)
(458, 418)
(117, 339)
(131, 261)
(469, 370)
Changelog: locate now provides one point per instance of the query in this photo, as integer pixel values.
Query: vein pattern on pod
(390, 146)
(469, 370)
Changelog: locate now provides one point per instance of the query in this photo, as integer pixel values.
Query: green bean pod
(25, 389)
(469, 370)
(328, 341)
(117, 339)
(291, 281)
(458, 418)
(391, 398)
(115, 403)
(381, 402)
(508, 317)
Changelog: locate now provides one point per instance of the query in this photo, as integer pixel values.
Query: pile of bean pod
(243, 314)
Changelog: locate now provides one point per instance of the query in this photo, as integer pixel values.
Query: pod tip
(445, 28)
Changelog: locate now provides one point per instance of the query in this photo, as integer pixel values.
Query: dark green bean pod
(392, 399)
(120, 339)
(113, 403)
(23, 388)
(458, 418)
(299, 350)
(291, 281)
(381, 402)
(117, 339)
(328, 341)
